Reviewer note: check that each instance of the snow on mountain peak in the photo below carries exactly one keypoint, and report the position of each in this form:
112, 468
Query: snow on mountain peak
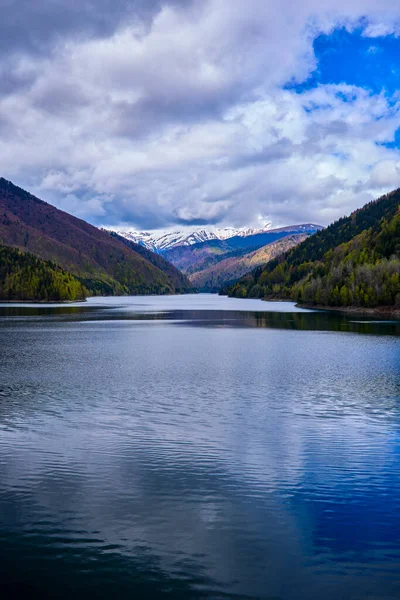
162, 241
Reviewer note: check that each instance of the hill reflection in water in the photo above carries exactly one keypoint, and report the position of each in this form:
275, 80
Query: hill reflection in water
298, 320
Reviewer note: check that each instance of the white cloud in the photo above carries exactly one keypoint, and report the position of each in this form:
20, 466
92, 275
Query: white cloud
186, 119
385, 174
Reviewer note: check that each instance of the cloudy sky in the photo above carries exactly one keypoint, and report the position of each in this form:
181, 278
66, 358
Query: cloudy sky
159, 114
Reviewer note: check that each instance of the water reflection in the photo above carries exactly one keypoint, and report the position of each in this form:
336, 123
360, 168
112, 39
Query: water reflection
162, 449
213, 315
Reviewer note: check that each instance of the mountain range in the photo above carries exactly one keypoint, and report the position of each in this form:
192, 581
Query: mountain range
68, 258
355, 262
160, 242
212, 258
164, 241
102, 263
47, 254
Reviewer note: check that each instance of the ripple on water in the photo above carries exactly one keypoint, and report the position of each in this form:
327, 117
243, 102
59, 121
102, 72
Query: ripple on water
210, 456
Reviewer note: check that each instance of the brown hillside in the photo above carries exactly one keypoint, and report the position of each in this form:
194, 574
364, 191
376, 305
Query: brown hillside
102, 262
232, 268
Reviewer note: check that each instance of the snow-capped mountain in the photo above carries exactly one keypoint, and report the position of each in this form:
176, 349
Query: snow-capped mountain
162, 241
159, 242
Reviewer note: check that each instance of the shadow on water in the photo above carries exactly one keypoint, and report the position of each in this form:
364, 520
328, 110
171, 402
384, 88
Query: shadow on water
44, 575
310, 321
37, 310
301, 321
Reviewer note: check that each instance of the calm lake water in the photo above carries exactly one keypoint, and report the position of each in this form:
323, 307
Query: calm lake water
198, 447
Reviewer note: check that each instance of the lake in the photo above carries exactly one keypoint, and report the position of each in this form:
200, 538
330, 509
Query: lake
198, 447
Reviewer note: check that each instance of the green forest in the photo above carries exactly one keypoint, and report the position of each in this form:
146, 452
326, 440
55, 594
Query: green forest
353, 262
24, 277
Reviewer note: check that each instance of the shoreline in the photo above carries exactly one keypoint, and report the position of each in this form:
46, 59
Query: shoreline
356, 310
42, 301
81, 301
393, 311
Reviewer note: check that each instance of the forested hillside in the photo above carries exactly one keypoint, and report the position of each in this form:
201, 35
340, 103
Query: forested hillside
101, 262
23, 276
180, 282
353, 262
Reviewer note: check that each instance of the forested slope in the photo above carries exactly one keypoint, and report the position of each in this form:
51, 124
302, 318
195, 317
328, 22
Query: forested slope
353, 262
180, 282
104, 264
24, 276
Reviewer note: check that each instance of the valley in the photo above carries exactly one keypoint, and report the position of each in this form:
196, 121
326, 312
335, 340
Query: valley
225, 255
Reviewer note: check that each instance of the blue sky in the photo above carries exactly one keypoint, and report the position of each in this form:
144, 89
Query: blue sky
188, 113
351, 58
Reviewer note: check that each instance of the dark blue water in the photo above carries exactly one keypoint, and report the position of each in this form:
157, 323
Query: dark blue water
198, 447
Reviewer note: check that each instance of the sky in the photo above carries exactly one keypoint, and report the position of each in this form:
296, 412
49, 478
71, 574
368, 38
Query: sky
174, 114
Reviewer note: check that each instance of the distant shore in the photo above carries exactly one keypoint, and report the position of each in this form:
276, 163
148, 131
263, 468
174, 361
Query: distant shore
41, 301
382, 311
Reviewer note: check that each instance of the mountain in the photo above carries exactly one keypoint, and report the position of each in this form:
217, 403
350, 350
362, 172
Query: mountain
191, 258
24, 276
355, 262
162, 242
101, 262
228, 270
180, 281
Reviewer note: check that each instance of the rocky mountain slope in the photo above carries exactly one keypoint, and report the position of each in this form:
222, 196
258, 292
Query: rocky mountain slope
228, 270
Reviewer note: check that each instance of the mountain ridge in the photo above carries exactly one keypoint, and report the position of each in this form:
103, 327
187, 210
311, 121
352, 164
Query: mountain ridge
165, 241
181, 282
102, 263
229, 269
189, 259
354, 262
